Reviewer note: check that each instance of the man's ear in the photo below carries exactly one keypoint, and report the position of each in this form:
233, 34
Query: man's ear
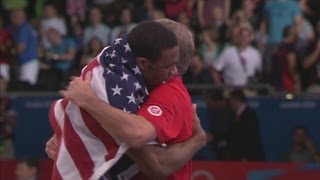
142, 63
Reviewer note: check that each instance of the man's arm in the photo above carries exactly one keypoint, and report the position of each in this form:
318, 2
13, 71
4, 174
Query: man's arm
159, 162
131, 129
156, 161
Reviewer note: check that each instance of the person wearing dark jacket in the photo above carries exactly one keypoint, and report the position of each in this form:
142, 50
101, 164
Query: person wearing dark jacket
244, 135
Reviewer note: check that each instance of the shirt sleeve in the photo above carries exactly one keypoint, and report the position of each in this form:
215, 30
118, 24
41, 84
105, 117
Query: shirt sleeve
160, 109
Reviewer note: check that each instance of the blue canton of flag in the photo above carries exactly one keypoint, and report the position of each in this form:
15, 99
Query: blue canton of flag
125, 86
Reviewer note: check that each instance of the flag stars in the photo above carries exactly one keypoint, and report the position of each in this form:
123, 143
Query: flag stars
131, 99
123, 60
116, 90
136, 70
112, 65
113, 54
124, 76
127, 47
137, 85
117, 41
109, 71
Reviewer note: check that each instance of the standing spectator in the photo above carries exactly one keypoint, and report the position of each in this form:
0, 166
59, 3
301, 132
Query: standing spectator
220, 117
311, 65
244, 135
278, 14
284, 72
5, 50
90, 52
206, 9
26, 41
7, 123
27, 169
241, 62
96, 27
125, 26
51, 19
61, 56
303, 147
173, 8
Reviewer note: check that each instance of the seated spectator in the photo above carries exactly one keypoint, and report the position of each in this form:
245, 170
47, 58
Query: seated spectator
316, 157
303, 147
7, 123
90, 52
96, 28
27, 169
284, 74
51, 19
124, 26
198, 72
60, 56
5, 50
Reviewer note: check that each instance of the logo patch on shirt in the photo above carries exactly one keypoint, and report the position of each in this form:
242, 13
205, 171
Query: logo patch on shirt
155, 110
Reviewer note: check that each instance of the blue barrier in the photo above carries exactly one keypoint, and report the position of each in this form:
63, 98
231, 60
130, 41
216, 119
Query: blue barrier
277, 119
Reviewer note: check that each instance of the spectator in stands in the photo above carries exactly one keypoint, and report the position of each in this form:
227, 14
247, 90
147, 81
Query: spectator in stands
51, 19
198, 72
244, 135
311, 65
76, 8
278, 14
303, 147
220, 117
7, 123
209, 46
125, 24
241, 63
27, 169
144, 11
206, 9
284, 71
90, 52
157, 14
60, 56
26, 41
96, 27
173, 8
5, 50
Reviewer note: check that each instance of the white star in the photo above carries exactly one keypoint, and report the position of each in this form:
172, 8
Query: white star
117, 41
140, 99
136, 70
123, 60
112, 65
116, 90
106, 55
131, 99
137, 85
127, 47
125, 110
113, 54
124, 76
109, 70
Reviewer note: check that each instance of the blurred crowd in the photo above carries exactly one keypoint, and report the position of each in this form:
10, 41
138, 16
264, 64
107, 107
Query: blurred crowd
273, 42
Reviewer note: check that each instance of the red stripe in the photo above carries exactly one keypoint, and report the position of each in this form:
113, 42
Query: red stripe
96, 129
77, 149
53, 121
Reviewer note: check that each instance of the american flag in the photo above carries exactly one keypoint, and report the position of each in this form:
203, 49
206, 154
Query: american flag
85, 149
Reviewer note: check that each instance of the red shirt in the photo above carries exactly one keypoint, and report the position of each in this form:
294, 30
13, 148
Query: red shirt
169, 109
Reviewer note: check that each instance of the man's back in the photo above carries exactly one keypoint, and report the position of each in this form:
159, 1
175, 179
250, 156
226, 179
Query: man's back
173, 118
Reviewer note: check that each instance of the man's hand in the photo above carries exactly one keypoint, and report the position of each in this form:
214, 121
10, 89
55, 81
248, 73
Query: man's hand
51, 147
199, 134
79, 90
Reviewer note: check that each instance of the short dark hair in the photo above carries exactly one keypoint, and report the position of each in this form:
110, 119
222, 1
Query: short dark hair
149, 38
238, 94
